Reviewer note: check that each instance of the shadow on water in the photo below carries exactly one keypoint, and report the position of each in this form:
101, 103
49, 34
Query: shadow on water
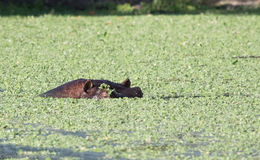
14, 151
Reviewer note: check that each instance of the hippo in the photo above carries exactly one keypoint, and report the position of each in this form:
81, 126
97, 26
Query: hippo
89, 88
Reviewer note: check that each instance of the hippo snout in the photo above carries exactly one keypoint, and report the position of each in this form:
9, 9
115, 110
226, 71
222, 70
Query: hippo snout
138, 92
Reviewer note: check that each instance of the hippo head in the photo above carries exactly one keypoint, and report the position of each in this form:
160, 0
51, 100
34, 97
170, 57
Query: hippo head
94, 89
125, 90
128, 92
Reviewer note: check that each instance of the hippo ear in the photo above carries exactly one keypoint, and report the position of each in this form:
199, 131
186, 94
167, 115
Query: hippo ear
88, 85
126, 83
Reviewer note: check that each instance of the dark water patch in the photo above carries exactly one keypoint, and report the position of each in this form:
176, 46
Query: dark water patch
200, 135
76, 133
164, 145
109, 142
1, 90
3, 139
16, 151
154, 147
258, 115
187, 154
169, 97
192, 153
46, 131
196, 144
49, 131
238, 154
200, 139
254, 153
251, 56
150, 146
121, 131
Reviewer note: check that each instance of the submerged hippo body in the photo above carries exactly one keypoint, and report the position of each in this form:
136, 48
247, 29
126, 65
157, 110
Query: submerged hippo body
87, 88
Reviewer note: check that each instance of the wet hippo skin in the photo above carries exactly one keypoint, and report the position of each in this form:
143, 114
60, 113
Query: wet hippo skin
89, 88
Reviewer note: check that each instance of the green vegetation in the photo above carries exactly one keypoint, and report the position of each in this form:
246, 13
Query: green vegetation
200, 99
107, 88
